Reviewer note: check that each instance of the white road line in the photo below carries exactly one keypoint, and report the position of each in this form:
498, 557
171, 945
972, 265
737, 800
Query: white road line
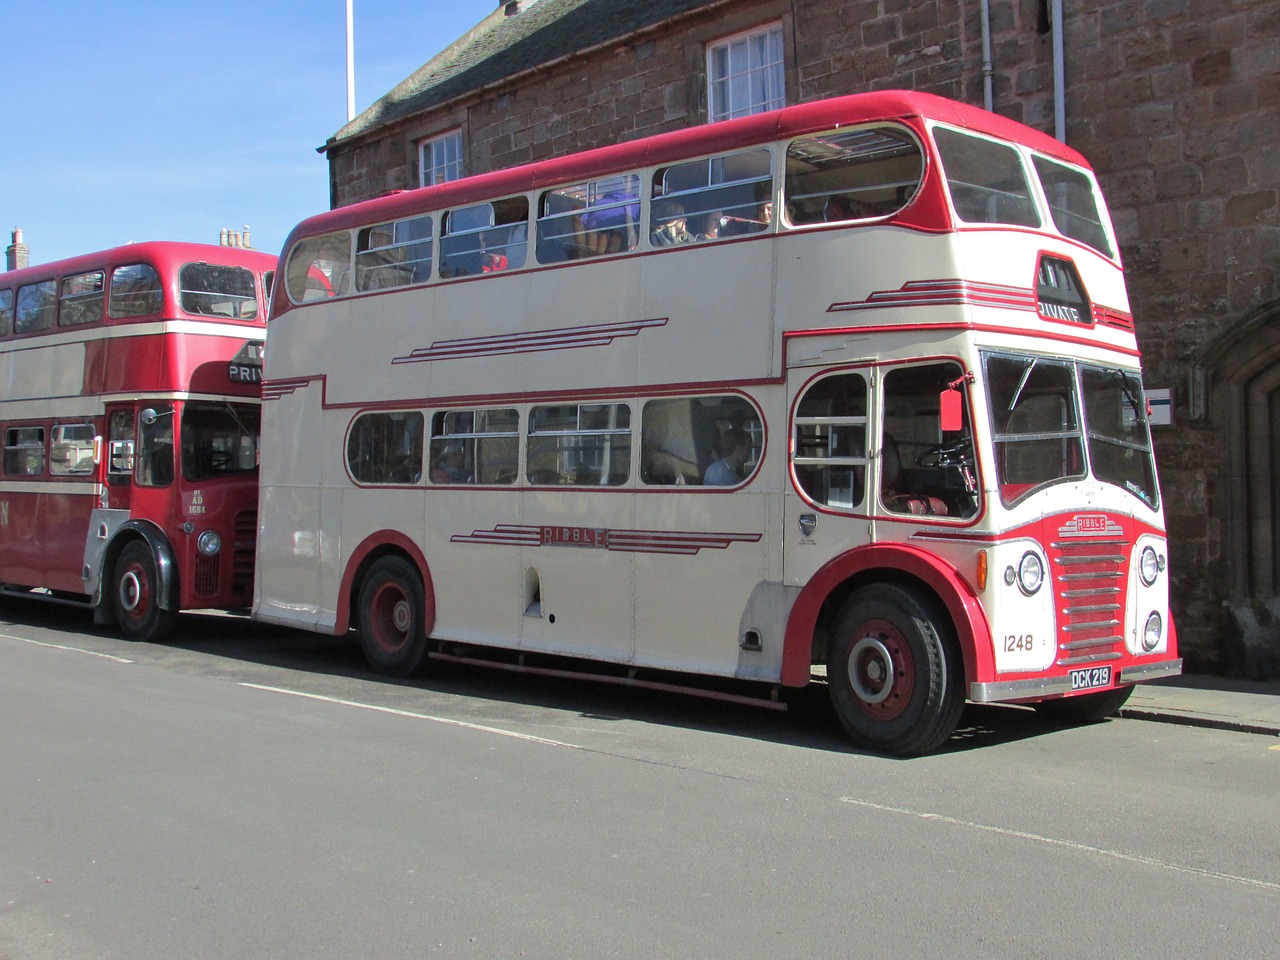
1069, 844
414, 716
59, 646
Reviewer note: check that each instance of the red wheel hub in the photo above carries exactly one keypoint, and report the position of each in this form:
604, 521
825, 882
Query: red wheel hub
881, 670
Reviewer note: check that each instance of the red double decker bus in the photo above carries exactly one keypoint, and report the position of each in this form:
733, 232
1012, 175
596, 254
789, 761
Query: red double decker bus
129, 412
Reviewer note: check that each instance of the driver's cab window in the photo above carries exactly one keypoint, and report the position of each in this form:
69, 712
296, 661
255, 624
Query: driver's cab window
926, 467
153, 460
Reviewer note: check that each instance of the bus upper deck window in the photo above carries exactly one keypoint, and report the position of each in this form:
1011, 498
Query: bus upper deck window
485, 238
6, 312
589, 219
394, 254
135, 292
215, 290
319, 268
987, 180
1073, 204
37, 304
81, 299
718, 197
851, 175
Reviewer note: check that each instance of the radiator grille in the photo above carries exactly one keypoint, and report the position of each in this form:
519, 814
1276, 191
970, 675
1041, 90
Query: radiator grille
244, 541
207, 570
1088, 571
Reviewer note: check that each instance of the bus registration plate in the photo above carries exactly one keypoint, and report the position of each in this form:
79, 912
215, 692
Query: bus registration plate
1090, 677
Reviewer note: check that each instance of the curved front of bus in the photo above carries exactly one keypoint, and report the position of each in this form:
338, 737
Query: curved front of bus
1076, 583
1073, 565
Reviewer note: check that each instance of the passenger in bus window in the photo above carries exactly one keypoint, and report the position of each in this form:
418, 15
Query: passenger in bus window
450, 466
710, 226
608, 229
737, 226
735, 448
674, 228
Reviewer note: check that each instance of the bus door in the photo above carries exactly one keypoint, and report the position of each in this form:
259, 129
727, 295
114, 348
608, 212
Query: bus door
826, 502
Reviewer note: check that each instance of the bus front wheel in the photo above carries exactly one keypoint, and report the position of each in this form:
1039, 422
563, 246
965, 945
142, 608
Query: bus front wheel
137, 596
896, 683
390, 615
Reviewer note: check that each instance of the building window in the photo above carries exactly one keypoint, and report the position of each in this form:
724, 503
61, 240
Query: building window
440, 158
744, 74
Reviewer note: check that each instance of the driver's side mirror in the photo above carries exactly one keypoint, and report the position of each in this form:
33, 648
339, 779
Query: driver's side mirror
950, 410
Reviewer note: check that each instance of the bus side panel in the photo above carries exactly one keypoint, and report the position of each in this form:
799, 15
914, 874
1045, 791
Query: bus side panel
287, 572
691, 602
576, 302
719, 301
63, 519
478, 586
39, 372
820, 274
21, 562
585, 590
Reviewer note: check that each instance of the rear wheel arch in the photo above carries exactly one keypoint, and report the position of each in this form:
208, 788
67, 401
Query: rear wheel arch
384, 543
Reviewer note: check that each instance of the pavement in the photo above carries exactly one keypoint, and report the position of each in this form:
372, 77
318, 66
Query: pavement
1203, 701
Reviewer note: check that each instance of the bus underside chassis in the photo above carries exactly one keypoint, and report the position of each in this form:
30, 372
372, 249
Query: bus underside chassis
895, 675
1084, 708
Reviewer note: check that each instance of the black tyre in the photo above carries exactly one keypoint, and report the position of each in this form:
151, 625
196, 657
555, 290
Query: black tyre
391, 608
1086, 708
136, 596
895, 676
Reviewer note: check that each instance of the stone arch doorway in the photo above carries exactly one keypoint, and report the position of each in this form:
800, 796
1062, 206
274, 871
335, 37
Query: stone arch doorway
1242, 372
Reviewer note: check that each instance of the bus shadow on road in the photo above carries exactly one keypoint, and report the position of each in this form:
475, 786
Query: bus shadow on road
231, 646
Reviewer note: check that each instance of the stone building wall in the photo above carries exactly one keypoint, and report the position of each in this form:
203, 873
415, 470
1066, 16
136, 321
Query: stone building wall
1174, 102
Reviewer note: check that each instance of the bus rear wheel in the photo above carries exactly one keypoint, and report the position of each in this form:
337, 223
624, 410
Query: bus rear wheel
136, 596
896, 682
391, 609
1086, 708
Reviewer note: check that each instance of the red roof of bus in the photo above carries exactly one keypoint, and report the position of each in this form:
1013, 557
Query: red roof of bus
166, 255
681, 144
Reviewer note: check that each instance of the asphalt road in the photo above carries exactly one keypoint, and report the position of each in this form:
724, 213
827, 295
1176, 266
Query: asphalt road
248, 792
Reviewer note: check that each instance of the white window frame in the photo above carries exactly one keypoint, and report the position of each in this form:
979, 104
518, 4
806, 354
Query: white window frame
440, 158
746, 73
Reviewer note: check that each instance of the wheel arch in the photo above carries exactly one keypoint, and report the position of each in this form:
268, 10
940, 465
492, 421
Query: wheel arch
167, 576
383, 543
934, 581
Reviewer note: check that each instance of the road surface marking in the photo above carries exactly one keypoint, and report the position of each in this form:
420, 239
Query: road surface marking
1070, 844
59, 646
414, 716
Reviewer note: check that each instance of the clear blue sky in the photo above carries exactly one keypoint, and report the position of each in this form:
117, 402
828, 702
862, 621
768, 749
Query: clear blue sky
168, 120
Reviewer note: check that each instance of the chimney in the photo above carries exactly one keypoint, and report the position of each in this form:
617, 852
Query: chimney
17, 255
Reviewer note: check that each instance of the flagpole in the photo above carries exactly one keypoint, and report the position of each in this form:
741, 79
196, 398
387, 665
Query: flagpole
351, 64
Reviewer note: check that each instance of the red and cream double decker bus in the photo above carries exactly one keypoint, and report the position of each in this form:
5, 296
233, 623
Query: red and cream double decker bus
851, 385
129, 408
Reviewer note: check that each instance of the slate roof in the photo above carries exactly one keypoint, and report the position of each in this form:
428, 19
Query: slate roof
503, 46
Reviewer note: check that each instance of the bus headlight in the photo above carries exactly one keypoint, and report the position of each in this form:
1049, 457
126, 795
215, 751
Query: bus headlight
1149, 565
1030, 573
1152, 631
208, 543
